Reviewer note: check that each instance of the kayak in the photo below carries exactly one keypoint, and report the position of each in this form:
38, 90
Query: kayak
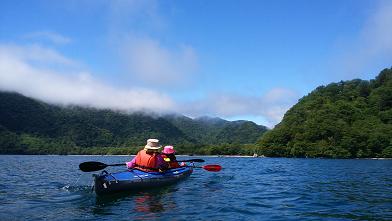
106, 183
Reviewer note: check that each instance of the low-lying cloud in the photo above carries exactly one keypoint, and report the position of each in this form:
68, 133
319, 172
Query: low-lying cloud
271, 106
19, 72
32, 70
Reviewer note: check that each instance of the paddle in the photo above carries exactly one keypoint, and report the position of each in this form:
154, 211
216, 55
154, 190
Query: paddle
211, 168
95, 166
91, 166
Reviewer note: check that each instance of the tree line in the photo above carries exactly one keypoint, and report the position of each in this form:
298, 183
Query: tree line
29, 126
349, 119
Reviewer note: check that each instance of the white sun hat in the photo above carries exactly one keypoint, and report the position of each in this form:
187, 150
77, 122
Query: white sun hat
152, 144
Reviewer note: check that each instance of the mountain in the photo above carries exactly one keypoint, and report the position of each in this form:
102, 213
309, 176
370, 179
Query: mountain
32, 126
208, 130
348, 119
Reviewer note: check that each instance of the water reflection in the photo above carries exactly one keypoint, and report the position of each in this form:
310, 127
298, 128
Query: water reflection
149, 203
145, 204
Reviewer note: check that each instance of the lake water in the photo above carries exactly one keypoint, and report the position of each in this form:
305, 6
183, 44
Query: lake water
53, 188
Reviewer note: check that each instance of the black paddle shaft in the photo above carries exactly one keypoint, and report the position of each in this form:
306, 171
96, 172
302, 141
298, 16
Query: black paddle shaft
91, 166
95, 166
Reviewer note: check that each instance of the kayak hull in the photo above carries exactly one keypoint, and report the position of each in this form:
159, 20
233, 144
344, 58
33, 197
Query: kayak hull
107, 183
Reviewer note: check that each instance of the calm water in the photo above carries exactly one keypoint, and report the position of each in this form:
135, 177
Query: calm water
52, 188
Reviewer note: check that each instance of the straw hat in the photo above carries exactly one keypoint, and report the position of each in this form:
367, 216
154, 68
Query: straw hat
168, 150
152, 144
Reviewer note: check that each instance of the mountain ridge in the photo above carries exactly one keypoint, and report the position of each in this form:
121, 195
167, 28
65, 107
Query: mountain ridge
26, 123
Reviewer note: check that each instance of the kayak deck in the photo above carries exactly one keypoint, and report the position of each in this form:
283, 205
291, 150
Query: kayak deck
105, 182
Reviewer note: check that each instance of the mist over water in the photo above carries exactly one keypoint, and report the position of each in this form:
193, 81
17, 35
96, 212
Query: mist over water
53, 188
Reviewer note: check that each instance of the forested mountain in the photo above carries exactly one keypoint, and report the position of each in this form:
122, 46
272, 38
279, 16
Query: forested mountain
341, 120
31, 126
218, 131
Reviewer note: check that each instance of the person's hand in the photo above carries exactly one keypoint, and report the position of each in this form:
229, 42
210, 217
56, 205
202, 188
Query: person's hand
129, 164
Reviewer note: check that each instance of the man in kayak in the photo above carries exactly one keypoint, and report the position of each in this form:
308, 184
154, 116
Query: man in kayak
168, 155
149, 159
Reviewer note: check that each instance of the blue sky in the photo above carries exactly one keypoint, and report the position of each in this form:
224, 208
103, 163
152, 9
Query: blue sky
248, 60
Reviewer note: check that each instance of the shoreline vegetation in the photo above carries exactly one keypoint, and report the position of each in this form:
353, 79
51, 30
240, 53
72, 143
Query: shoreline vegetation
198, 156
344, 120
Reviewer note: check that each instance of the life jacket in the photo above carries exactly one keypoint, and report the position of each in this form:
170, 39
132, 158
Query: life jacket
147, 162
169, 158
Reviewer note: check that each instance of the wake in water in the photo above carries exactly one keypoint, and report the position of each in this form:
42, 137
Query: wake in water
84, 189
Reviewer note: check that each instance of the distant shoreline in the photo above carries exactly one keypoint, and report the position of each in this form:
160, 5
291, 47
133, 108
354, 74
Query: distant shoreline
195, 156
97, 155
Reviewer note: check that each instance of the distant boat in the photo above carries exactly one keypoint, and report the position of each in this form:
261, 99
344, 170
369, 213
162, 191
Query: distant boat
255, 155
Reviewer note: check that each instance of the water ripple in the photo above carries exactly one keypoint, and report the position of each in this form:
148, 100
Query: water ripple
52, 188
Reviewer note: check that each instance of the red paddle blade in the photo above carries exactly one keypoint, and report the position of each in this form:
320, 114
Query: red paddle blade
212, 168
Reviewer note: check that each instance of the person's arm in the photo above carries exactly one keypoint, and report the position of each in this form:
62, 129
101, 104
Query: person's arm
132, 163
173, 159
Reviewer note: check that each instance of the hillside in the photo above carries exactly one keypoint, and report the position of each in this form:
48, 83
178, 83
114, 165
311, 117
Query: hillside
341, 120
31, 126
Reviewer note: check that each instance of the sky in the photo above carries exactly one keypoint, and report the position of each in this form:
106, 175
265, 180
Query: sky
237, 60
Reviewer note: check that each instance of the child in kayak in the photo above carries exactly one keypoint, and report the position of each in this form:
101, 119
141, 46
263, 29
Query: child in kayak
168, 155
149, 159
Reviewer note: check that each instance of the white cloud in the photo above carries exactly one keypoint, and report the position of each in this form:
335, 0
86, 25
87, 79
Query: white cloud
134, 28
37, 54
270, 106
151, 62
371, 48
18, 72
282, 95
134, 13
377, 32
50, 36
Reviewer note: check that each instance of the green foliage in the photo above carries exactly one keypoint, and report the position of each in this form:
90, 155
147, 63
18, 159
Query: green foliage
341, 120
28, 126
220, 149
215, 131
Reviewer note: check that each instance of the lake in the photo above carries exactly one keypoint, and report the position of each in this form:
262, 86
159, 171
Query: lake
53, 188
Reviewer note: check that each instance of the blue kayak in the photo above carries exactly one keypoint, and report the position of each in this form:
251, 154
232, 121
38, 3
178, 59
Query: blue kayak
106, 183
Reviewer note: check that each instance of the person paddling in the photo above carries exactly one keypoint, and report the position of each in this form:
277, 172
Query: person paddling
149, 159
168, 155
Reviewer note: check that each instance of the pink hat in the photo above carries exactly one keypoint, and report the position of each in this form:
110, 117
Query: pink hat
168, 150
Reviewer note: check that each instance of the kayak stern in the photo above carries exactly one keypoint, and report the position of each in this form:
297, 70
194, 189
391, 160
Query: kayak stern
106, 183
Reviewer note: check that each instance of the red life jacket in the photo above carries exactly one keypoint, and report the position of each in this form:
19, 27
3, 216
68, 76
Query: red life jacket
147, 162
169, 158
